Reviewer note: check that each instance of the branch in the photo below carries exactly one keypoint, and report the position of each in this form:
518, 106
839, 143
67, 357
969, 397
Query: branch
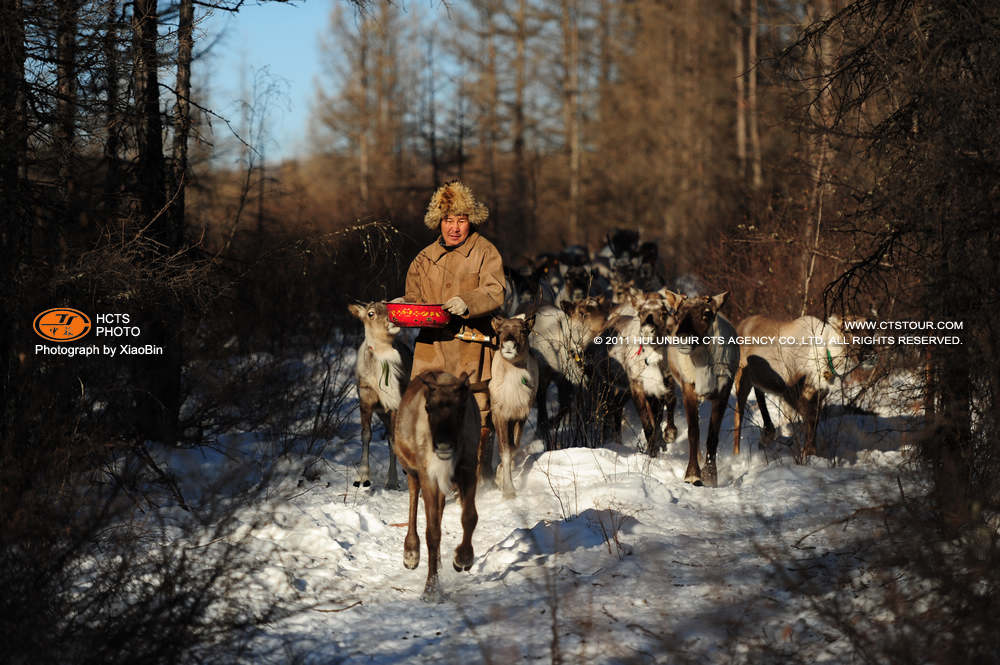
213, 114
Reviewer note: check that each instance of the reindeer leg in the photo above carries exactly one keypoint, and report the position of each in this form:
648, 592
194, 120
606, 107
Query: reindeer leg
709, 473
762, 405
810, 413
411, 546
485, 454
669, 404
646, 406
693, 473
611, 411
505, 436
366, 439
464, 554
565, 390
389, 419
743, 385
433, 509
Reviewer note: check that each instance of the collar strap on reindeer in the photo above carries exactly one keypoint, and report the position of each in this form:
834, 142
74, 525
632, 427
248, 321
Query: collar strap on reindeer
829, 363
480, 386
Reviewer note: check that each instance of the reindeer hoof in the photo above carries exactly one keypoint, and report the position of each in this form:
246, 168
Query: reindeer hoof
411, 558
709, 475
432, 594
463, 559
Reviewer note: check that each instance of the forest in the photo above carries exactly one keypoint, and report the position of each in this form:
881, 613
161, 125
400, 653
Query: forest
816, 157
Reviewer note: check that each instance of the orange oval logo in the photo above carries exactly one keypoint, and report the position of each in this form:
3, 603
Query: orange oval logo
62, 324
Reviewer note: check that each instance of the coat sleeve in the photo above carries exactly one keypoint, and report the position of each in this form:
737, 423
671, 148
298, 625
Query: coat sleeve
414, 277
488, 296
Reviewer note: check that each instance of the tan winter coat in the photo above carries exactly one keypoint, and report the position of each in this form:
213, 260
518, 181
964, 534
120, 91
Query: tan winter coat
474, 272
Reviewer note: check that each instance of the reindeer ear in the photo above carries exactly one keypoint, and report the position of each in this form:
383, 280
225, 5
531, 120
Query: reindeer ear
673, 299
719, 300
567, 307
463, 378
357, 311
496, 322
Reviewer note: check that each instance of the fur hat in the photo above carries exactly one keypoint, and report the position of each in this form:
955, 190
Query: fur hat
454, 198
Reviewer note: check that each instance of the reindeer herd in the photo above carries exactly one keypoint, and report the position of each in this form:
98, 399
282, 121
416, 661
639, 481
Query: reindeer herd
599, 328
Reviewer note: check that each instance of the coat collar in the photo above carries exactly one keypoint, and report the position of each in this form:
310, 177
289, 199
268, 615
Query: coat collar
436, 251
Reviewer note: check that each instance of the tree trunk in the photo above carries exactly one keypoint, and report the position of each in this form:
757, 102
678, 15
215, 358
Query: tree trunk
820, 153
740, 59
157, 378
571, 113
149, 134
112, 112
14, 235
364, 132
757, 174
65, 125
522, 209
182, 121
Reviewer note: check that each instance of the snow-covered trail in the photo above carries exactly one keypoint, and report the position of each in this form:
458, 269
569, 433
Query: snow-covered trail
605, 555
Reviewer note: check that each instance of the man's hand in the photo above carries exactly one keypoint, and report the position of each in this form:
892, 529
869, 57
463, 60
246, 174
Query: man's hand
400, 299
456, 306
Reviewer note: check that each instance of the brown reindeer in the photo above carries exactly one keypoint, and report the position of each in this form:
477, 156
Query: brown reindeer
513, 382
437, 435
704, 369
382, 371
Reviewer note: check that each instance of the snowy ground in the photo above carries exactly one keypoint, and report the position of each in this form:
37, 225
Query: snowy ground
605, 556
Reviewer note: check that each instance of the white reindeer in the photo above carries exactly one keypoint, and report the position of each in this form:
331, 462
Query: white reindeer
802, 374
382, 371
513, 382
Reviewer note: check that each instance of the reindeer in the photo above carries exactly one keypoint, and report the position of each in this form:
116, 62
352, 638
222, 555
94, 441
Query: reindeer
437, 436
801, 374
704, 369
636, 368
382, 370
513, 382
557, 340
576, 285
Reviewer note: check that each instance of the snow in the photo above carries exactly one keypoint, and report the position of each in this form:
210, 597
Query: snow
605, 555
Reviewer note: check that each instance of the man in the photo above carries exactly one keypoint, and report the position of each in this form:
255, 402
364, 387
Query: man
464, 271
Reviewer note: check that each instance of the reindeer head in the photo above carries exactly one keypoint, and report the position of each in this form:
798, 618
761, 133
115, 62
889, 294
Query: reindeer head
512, 334
446, 400
375, 316
656, 311
577, 280
695, 316
589, 313
623, 242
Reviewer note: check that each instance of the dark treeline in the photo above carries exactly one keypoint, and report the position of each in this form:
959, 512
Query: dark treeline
808, 157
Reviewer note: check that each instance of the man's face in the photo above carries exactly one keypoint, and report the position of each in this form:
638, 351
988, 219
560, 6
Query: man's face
455, 229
